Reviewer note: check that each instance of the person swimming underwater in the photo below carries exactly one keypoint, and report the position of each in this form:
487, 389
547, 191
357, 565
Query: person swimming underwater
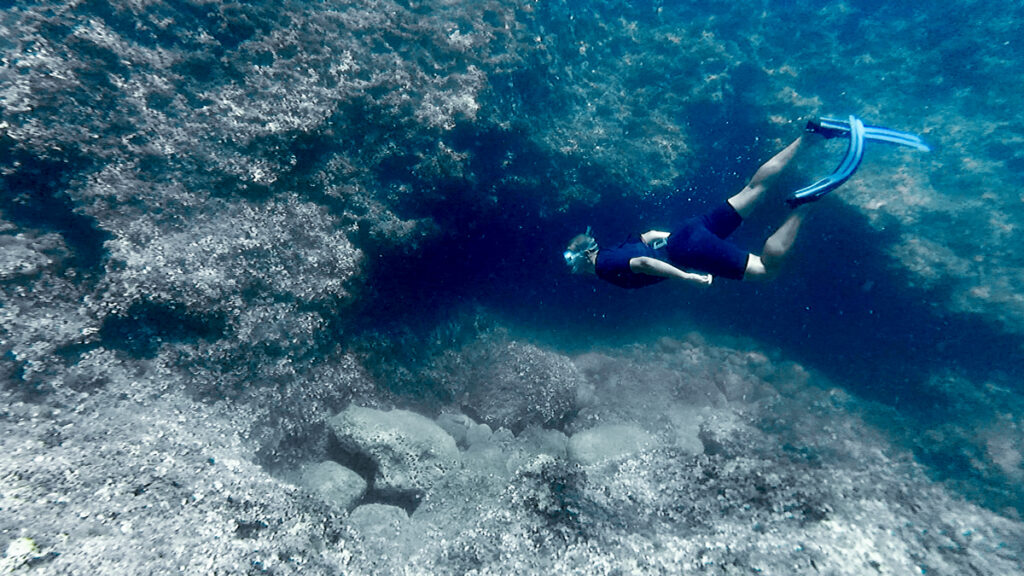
696, 251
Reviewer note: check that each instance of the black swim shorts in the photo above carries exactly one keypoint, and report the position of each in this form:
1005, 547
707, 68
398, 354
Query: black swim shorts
700, 244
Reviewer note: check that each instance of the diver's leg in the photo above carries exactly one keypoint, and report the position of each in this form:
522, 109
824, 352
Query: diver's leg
766, 266
747, 199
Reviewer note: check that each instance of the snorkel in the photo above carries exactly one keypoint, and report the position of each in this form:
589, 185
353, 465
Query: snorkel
576, 255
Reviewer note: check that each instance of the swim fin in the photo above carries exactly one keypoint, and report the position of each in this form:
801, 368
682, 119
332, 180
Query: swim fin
854, 154
834, 128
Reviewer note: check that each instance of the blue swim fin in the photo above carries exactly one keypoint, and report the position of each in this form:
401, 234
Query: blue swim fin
854, 154
834, 128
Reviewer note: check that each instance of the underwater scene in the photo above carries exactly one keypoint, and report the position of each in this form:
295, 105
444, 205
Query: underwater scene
283, 287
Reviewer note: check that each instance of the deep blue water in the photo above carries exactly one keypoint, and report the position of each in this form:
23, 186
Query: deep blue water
839, 305
842, 306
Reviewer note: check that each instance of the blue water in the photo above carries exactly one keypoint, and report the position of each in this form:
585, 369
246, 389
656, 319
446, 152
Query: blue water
842, 307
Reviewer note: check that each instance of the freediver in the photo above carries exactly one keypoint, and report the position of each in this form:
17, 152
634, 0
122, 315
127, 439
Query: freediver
698, 250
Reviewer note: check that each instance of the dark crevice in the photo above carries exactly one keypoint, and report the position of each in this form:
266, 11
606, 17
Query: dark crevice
147, 325
72, 353
363, 465
354, 461
408, 500
34, 197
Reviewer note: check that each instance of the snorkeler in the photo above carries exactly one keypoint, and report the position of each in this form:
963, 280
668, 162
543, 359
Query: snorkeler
697, 251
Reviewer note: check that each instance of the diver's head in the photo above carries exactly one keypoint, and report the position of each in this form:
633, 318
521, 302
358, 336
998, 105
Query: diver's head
581, 253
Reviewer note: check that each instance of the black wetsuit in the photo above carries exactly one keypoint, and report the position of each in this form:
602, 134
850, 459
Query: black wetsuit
699, 244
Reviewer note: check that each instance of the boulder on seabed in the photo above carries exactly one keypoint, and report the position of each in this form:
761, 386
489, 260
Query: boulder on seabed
410, 451
606, 443
517, 384
334, 483
379, 525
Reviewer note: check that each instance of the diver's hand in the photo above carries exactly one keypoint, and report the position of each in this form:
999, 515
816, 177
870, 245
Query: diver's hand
702, 279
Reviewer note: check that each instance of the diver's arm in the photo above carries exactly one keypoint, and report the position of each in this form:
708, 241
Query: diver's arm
652, 235
655, 267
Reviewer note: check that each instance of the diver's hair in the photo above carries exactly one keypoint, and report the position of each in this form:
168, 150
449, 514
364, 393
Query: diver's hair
581, 242
578, 248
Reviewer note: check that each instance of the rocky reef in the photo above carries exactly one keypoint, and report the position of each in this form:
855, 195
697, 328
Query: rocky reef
766, 468
280, 290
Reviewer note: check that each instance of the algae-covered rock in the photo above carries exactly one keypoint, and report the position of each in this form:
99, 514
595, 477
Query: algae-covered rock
516, 384
493, 376
334, 483
458, 425
606, 443
21, 257
380, 520
379, 528
410, 451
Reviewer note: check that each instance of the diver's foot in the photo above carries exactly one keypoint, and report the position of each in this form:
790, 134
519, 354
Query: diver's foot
796, 202
814, 126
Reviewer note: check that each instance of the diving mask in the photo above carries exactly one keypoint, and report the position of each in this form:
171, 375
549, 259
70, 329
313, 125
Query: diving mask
576, 259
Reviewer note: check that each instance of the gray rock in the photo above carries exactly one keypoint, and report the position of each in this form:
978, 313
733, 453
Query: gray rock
20, 257
411, 451
686, 426
606, 443
544, 441
513, 385
534, 442
478, 434
334, 483
458, 425
379, 523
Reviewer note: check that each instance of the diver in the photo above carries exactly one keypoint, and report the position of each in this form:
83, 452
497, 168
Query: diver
698, 250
